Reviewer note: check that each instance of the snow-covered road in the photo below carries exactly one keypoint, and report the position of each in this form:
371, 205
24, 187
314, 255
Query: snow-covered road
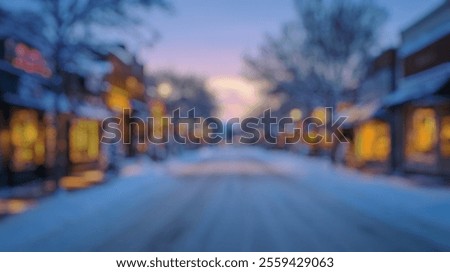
237, 199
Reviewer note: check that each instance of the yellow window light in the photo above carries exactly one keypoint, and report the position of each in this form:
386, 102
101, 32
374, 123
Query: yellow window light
117, 99
372, 142
422, 132
28, 142
445, 136
296, 115
320, 113
84, 141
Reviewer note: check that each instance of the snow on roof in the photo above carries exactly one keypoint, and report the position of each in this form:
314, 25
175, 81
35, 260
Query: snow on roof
88, 66
360, 112
420, 85
97, 112
426, 18
412, 46
425, 31
31, 94
122, 54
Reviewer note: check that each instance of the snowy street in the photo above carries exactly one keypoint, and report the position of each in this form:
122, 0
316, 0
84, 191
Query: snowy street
236, 199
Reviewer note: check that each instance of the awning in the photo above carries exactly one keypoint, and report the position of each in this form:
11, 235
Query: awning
362, 112
45, 101
94, 112
42, 103
418, 90
29, 93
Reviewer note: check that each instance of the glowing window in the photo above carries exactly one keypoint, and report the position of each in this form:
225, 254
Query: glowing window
445, 136
117, 99
373, 142
296, 114
422, 133
320, 113
27, 140
84, 141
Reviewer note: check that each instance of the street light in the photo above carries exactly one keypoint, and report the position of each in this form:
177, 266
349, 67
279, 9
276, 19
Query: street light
164, 90
296, 115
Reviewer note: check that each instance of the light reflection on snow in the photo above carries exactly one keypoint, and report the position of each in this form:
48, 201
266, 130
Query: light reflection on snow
14, 206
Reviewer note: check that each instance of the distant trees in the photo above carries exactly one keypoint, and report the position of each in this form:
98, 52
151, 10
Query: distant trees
184, 92
322, 54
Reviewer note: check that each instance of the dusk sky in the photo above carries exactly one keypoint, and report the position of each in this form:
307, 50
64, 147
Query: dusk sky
209, 38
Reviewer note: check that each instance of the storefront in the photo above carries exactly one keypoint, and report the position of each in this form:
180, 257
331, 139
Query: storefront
88, 158
84, 139
27, 136
117, 100
126, 97
368, 132
27, 118
422, 101
427, 134
372, 144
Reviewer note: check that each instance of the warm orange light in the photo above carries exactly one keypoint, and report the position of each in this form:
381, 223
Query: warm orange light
4, 144
50, 134
131, 82
14, 206
157, 108
422, 132
296, 115
372, 141
445, 136
165, 90
24, 128
73, 183
27, 139
84, 141
117, 99
93, 176
320, 113
39, 147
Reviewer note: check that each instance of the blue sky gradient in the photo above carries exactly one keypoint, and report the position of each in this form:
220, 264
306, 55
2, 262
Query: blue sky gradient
208, 38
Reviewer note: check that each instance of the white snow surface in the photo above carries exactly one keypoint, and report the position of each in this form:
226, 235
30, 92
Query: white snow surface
105, 216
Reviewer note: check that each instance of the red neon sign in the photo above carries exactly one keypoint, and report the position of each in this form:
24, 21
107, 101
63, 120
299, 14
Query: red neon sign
30, 60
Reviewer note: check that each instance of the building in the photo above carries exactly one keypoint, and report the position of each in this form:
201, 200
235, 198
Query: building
87, 157
372, 127
27, 115
421, 103
126, 94
45, 135
368, 127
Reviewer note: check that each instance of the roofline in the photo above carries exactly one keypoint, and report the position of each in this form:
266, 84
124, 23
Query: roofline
446, 3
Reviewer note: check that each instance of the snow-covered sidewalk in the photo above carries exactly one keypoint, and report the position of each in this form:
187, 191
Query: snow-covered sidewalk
90, 208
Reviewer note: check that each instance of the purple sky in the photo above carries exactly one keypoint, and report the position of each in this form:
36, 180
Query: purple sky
208, 38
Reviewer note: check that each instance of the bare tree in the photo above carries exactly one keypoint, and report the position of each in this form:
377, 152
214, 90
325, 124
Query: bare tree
70, 32
186, 92
321, 54
279, 58
340, 36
